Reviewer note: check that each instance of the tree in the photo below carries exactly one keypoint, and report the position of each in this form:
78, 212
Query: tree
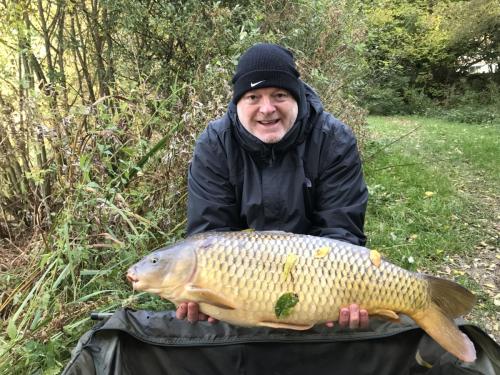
417, 50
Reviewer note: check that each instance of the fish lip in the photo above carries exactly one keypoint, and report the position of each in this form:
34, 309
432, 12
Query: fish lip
132, 278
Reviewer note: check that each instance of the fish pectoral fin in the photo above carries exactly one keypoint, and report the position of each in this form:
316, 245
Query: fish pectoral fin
209, 297
386, 314
297, 327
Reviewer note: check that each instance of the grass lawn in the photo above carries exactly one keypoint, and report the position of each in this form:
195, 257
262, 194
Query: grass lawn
434, 202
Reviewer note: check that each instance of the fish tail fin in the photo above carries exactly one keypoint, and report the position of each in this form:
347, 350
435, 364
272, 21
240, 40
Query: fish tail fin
449, 300
452, 298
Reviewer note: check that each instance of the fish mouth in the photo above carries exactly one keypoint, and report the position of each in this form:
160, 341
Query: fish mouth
133, 279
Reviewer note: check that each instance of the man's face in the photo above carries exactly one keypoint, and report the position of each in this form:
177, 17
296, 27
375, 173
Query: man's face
267, 113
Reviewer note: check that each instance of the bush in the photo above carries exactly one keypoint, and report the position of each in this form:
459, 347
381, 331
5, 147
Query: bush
474, 101
470, 115
95, 175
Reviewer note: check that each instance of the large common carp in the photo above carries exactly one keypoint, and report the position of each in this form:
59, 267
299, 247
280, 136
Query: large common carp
284, 280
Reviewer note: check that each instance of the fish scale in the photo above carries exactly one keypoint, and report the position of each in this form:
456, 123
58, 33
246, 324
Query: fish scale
241, 277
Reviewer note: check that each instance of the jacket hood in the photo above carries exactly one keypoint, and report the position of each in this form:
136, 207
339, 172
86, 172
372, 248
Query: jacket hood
309, 108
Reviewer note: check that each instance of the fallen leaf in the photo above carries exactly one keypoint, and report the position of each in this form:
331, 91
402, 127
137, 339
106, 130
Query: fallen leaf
375, 258
285, 304
490, 286
322, 252
290, 261
429, 194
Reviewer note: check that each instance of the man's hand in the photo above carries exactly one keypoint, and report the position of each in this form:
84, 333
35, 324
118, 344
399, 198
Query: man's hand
191, 310
352, 317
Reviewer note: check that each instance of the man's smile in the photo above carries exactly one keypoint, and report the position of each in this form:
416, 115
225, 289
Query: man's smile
268, 122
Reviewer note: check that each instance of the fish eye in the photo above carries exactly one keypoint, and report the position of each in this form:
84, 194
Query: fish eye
154, 260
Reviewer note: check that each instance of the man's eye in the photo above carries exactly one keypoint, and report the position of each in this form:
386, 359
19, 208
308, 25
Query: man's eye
281, 95
251, 98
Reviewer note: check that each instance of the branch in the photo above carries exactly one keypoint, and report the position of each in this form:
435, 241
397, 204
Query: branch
370, 157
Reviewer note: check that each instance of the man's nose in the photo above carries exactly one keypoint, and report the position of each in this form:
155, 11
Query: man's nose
267, 106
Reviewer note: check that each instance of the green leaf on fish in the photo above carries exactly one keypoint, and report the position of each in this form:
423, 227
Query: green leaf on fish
285, 304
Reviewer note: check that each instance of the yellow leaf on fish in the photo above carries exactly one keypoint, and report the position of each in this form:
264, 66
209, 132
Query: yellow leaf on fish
322, 252
375, 258
290, 261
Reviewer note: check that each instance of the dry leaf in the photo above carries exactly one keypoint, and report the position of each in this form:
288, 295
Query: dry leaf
429, 194
322, 252
290, 261
375, 258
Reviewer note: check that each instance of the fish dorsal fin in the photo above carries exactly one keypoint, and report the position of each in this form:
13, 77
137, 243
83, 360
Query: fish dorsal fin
209, 297
297, 327
387, 314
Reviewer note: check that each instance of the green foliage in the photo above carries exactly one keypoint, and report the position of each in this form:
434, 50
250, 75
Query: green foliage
472, 101
285, 304
99, 110
471, 115
419, 50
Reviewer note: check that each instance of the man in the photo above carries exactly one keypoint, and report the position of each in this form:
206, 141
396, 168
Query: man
277, 161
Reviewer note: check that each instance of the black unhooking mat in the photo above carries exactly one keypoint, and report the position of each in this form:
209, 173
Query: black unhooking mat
148, 343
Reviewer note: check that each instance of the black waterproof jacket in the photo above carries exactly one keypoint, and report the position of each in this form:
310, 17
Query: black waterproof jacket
311, 182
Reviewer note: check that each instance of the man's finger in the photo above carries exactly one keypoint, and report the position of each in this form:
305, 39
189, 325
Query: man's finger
354, 316
193, 311
330, 324
202, 316
212, 320
344, 317
363, 319
181, 311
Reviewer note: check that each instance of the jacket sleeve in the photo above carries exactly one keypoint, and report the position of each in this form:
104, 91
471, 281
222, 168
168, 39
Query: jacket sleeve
212, 203
341, 194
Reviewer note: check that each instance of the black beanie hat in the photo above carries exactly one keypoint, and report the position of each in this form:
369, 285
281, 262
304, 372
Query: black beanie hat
266, 65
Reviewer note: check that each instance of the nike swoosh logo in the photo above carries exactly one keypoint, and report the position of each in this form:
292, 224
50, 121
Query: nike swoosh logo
255, 84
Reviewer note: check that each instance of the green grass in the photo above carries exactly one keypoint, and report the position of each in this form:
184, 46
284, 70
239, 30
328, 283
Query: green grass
431, 186
434, 202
